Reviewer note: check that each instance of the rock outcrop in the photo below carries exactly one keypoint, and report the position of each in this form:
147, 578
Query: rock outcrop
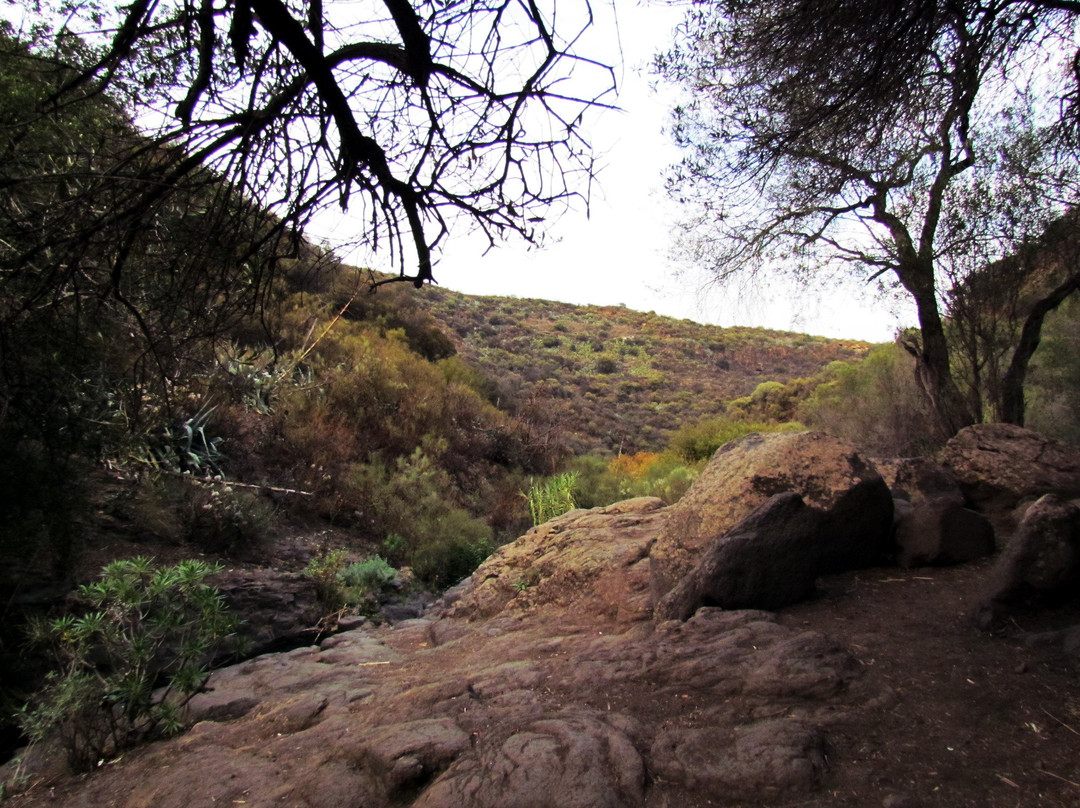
940, 532
1000, 466
549, 678
769, 560
279, 608
830, 475
1042, 562
562, 561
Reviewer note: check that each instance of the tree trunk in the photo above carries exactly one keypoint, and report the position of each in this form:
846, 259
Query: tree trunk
932, 370
1013, 404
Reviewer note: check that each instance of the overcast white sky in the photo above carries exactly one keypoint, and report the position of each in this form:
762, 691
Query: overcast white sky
618, 254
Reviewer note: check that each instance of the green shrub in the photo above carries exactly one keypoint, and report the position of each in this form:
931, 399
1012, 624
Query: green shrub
595, 485
370, 575
667, 478
551, 497
699, 442
876, 404
325, 570
448, 547
142, 625
221, 519
446, 560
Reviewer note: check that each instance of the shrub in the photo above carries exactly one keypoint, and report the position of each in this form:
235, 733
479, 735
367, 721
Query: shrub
595, 485
221, 519
450, 549
876, 404
370, 575
699, 442
142, 625
551, 497
325, 570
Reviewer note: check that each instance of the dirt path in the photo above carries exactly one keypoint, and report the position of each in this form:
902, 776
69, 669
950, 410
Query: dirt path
978, 720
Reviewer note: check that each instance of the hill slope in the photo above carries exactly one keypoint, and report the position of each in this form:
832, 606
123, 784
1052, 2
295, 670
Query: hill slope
616, 379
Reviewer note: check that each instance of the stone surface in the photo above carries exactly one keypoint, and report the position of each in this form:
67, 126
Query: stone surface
767, 561
554, 698
1042, 561
941, 531
999, 466
827, 472
279, 608
576, 760
601, 553
759, 761
918, 479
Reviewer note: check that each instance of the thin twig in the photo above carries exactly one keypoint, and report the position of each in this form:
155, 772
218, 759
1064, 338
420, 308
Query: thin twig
1059, 777
1070, 729
233, 484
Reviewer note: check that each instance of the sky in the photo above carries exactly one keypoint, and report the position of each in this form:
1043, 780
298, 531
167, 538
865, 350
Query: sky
618, 254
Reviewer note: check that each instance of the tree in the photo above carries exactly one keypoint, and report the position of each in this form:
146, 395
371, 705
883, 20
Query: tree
838, 134
159, 160
255, 116
415, 111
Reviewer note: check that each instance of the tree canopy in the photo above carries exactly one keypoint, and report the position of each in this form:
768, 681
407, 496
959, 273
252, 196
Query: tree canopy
408, 113
908, 141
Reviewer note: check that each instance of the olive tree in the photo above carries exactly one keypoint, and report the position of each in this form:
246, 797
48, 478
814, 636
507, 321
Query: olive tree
839, 136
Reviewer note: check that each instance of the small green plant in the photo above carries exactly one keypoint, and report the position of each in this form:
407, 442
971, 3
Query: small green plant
131, 661
394, 547
551, 497
186, 447
325, 570
368, 576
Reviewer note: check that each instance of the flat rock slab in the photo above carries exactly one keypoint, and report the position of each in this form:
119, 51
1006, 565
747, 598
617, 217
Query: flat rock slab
559, 708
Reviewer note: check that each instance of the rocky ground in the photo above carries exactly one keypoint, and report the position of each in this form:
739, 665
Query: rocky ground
546, 681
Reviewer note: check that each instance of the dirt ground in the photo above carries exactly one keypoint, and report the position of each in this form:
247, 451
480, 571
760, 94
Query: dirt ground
980, 719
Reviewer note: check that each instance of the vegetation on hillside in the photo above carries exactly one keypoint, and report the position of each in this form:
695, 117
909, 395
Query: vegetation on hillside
618, 381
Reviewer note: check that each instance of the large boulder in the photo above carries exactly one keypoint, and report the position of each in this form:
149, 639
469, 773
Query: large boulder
920, 479
940, 532
1042, 561
767, 561
597, 560
827, 472
277, 610
1000, 466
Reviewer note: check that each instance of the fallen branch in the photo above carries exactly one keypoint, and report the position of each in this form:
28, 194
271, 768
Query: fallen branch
276, 489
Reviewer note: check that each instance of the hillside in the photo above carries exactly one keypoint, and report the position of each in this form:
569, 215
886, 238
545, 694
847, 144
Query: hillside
614, 379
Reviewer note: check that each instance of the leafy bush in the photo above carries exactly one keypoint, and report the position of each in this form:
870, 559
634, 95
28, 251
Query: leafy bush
699, 442
595, 485
370, 575
410, 503
449, 549
142, 625
221, 519
876, 404
551, 497
1053, 391
602, 481
325, 570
